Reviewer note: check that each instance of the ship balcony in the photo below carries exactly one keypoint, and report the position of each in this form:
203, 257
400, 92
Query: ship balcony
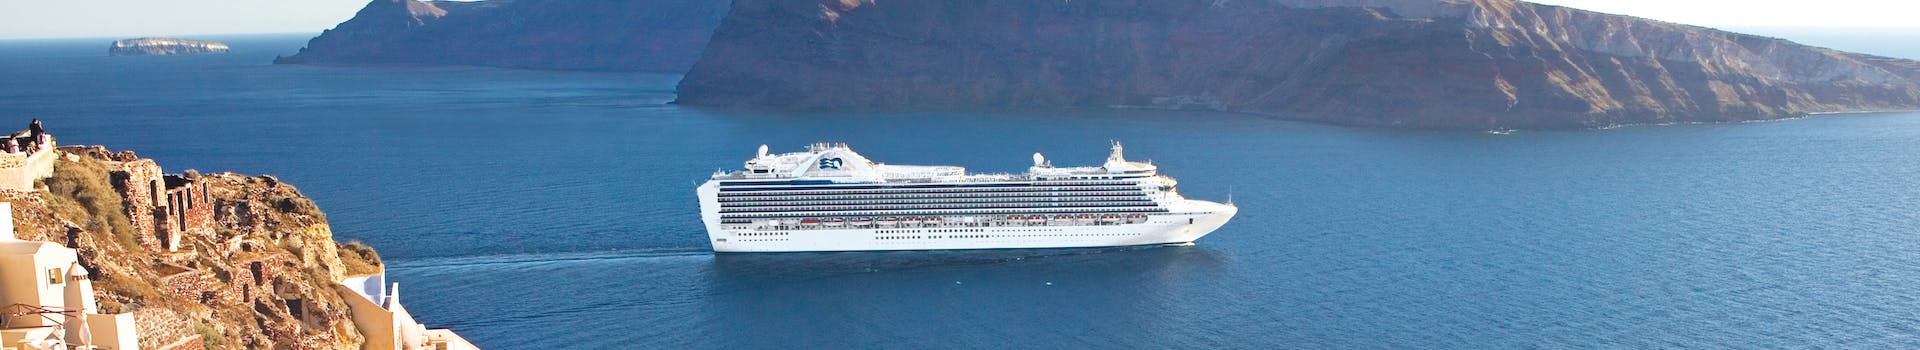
749, 199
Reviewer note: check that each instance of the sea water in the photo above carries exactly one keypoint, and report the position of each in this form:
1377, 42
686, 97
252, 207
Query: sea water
530, 209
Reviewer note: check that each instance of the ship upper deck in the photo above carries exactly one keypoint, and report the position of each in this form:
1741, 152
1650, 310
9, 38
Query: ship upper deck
837, 163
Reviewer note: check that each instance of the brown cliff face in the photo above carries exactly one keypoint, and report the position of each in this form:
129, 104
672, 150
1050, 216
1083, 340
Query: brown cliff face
1475, 64
251, 265
637, 35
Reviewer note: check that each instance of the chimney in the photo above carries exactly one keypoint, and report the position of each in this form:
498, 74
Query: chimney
6, 226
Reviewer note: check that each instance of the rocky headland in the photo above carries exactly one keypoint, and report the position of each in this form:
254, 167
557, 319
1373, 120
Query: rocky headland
1451, 64
163, 46
202, 260
622, 35
1463, 64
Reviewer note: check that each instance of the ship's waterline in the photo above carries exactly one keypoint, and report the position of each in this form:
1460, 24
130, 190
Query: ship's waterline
830, 198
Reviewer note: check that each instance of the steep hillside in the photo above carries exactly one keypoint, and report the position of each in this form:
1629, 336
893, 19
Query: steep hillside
637, 35
1473, 64
252, 265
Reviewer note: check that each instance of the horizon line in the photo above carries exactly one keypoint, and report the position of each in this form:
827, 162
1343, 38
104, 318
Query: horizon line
122, 37
1727, 27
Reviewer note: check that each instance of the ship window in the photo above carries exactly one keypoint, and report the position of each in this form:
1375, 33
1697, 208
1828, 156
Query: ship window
54, 276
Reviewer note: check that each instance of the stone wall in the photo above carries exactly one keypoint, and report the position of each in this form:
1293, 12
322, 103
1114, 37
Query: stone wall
158, 327
187, 211
139, 184
188, 343
18, 171
164, 208
191, 285
26, 157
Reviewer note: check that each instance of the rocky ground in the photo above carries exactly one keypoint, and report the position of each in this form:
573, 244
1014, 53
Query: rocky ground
261, 280
1464, 64
1450, 64
624, 35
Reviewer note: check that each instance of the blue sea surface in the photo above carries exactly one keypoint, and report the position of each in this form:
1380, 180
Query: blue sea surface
530, 209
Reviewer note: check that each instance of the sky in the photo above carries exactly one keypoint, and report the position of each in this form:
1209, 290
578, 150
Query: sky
21, 19
120, 19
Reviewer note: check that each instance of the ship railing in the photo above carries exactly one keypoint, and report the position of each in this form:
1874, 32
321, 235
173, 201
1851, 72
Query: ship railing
932, 190
948, 212
748, 199
953, 223
938, 206
907, 201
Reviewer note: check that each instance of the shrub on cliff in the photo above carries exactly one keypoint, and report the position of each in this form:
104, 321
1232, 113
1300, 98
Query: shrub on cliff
79, 191
293, 203
359, 258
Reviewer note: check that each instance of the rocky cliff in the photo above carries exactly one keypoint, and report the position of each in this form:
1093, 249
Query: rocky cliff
1478, 64
227, 261
629, 35
163, 46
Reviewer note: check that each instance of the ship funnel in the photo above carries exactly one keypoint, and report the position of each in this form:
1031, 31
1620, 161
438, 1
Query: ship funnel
1039, 160
762, 153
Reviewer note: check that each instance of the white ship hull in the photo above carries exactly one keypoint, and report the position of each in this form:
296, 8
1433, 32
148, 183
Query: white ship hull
1160, 229
832, 199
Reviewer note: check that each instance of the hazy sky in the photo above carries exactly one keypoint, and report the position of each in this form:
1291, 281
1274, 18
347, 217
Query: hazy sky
129, 18
1763, 13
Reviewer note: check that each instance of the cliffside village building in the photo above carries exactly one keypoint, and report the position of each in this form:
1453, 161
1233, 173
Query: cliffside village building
49, 300
386, 324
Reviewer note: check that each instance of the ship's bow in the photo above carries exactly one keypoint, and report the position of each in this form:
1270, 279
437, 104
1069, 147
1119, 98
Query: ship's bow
1215, 215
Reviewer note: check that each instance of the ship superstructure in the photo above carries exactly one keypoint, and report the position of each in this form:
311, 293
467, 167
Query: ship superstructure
830, 198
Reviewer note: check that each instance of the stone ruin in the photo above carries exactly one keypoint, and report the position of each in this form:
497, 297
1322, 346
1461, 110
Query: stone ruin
164, 208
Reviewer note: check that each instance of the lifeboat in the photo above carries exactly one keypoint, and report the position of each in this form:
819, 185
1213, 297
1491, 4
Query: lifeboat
888, 221
836, 222
1063, 218
1110, 218
862, 222
809, 222
934, 220
1086, 217
1036, 219
909, 221
1136, 218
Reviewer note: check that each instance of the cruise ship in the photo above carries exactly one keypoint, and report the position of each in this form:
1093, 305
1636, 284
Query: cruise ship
830, 198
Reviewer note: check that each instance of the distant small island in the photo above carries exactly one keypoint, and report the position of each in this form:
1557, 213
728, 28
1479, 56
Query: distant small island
163, 46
